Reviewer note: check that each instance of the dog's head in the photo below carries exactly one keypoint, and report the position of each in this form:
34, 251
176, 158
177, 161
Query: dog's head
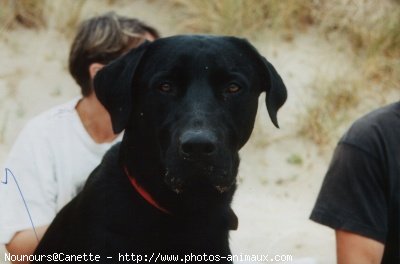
193, 100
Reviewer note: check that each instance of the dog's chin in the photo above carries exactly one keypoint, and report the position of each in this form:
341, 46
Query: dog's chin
198, 180
197, 197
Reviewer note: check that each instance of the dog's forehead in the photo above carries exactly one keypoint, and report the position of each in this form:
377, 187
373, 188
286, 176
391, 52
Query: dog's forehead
203, 51
193, 43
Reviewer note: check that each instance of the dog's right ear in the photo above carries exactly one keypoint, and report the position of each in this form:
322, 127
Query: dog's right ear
113, 86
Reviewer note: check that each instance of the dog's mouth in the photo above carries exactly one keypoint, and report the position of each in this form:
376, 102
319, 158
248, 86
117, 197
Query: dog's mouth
179, 186
185, 175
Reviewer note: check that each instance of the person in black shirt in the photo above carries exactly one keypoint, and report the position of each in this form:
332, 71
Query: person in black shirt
359, 197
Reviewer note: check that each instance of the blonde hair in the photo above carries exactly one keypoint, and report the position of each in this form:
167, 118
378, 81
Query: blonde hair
102, 39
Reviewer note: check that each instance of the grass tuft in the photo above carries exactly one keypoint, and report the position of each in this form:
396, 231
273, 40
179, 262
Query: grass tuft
240, 17
372, 27
332, 106
26, 13
63, 16
65, 22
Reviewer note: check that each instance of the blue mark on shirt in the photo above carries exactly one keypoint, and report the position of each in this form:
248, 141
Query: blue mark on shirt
10, 174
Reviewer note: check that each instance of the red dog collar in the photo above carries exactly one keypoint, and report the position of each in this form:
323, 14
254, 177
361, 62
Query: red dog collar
146, 196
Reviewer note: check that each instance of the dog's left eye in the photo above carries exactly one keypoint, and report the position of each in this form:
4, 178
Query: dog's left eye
165, 87
233, 88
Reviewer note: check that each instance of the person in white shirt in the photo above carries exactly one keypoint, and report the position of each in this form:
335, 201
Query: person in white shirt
57, 150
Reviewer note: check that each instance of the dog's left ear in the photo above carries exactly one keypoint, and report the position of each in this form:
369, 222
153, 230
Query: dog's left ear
276, 91
113, 86
274, 87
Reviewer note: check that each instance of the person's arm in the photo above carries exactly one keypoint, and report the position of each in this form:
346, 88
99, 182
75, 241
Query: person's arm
352, 249
30, 190
25, 242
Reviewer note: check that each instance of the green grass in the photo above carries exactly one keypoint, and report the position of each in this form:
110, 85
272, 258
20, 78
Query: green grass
331, 107
239, 17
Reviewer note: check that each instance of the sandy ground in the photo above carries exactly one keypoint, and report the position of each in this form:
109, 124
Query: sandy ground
275, 196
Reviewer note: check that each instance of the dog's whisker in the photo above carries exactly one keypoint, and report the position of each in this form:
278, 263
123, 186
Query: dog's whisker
222, 189
177, 191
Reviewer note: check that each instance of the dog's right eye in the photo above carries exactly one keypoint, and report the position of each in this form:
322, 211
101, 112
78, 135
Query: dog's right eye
165, 87
233, 88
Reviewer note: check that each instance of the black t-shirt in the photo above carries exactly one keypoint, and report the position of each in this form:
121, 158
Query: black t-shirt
360, 192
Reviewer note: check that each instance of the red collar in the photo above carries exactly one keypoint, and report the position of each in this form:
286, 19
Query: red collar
146, 196
232, 218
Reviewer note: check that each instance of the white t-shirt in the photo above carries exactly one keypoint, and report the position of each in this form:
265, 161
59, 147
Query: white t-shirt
51, 160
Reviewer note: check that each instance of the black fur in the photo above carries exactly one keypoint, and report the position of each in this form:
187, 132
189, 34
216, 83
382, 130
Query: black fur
183, 128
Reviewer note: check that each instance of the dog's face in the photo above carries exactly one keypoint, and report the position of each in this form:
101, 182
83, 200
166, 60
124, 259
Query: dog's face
196, 99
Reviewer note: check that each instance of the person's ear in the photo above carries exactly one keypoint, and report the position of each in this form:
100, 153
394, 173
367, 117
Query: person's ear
94, 68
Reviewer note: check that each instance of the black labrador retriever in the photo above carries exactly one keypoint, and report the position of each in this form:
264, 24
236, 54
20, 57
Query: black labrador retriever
187, 105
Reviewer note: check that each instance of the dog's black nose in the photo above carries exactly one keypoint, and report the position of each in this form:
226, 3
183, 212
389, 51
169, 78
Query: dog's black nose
197, 143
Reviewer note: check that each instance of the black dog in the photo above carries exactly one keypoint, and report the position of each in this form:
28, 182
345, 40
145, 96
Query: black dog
187, 104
